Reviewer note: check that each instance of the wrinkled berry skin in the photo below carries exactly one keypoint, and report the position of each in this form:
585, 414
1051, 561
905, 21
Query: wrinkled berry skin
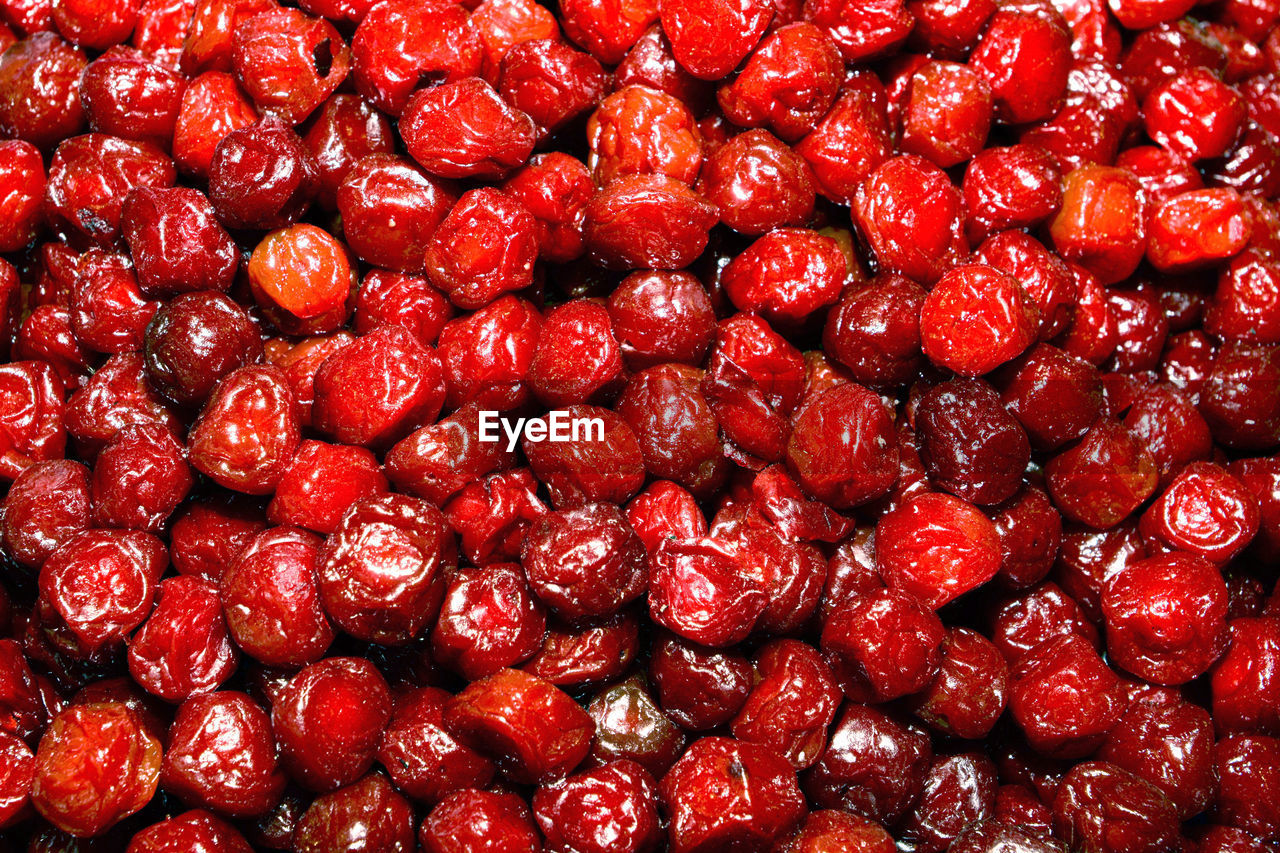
271, 599
585, 562
197, 830
381, 570
1170, 746
910, 214
47, 504
96, 764
222, 756
975, 319
858, 635
723, 792
838, 465
1064, 697
486, 246
261, 177
23, 178
90, 177
792, 706
1104, 478
874, 766
529, 727
322, 482
464, 129
392, 357
368, 813
472, 819
874, 331
382, 189
611, 808
620, 223
970, 444
699, 590
328, 719
176, 243
1101, 224
183, 647
41, 86
1084, 803
247, 431
1136, 604
101, 583
421, 757
936, 547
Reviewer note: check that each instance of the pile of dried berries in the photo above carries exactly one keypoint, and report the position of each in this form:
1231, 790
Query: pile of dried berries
927, 360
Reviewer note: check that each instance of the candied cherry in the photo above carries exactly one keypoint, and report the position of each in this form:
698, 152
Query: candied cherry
176, 241
101, 584
288, 61
262, 177
788, 83
911, 215
976, 318
1101, 805
381, 569
47, 504
401, 387
22, 177
610, 808
792, 703
96, 765
1218, 108
483, 248
533, 731
472, 819
883, 644
398, 44
369, 812
183, 647
301, 271
328, 719
786, 275
221, 755
194, 341
724, 793
1105, 477
270, 597
1205, 510
874, 766
647, 221
970, 691
382, 189
851, 141
1064, 697
419, 754
861, 31
464, 129
842, 448
346, 130
660, 317
40, 86
1170, 746
213, 105
710, 38
247, 432
197, 830
1101, 224
140, 478
1137, 603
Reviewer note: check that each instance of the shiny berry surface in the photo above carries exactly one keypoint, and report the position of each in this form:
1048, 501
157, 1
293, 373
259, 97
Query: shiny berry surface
705, 426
